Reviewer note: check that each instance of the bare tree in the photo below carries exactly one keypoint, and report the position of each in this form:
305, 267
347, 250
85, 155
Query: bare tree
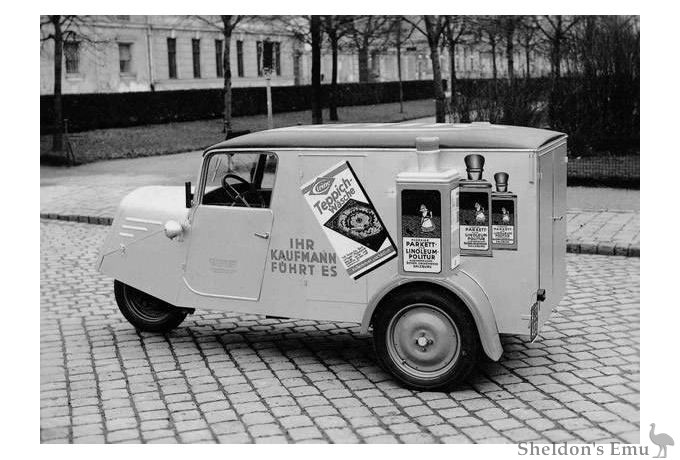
60, 29
527, 37
433, 31
509, 25
400, 32
309, 30
368, 32
555, 30
456, 27
315, 29
336, 27
226, 25
491, 30
605, 51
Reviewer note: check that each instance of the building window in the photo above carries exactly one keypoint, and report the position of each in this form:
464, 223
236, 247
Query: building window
277, 58
219, 58
196, 53
72, 57
268, 57
172, 58
125, 57
239, 57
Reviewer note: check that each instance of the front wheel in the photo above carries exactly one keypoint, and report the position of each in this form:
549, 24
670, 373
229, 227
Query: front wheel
426, 339
146, 312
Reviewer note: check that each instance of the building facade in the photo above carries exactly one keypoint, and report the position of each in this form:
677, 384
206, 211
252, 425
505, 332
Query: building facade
154, 53
112, 54
472, 61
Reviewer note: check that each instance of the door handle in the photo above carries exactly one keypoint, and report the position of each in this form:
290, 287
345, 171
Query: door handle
263, 235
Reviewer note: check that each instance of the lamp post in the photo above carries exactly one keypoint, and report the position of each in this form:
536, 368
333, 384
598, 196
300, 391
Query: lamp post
270, 117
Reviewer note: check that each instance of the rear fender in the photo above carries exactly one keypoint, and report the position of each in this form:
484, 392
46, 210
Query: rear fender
467, 290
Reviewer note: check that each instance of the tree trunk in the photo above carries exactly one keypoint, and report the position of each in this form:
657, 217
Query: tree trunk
439, 97
363, 63
527, 58
226, 62
401, 85
452, 66
58, 133
332, 93
508, 110
317, 114
556, 73
494, 66
494, 71
510, 49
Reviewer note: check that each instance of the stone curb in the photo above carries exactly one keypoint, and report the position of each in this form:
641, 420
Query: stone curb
97, 220
605, 248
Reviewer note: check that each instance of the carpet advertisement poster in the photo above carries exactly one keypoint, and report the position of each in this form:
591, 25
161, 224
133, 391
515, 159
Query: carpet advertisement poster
350, 221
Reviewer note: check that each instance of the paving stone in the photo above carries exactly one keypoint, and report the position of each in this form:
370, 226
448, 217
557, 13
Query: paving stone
238, 378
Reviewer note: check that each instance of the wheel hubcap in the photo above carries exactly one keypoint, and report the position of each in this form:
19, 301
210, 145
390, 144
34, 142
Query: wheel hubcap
144, 305
423, 341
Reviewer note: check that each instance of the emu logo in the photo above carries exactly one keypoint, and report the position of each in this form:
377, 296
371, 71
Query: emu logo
322, 185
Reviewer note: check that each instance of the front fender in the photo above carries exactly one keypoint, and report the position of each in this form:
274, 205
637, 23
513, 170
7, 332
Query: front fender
465, 288
136, 250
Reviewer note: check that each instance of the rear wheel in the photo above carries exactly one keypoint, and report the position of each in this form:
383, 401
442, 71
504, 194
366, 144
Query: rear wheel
426, 339
146, 312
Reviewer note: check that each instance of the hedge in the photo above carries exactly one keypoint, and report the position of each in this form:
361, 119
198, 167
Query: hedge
114, 110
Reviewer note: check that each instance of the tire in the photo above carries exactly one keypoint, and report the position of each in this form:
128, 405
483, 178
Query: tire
145, 312
426, 339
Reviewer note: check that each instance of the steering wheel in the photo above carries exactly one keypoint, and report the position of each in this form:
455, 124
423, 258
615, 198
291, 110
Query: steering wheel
236, 195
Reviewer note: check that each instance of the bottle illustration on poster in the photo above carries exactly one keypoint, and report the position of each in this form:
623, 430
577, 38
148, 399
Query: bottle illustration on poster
474, 212
421, 230
503, 214
474, 221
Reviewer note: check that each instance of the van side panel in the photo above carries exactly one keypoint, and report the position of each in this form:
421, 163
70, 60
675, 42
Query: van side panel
510, 277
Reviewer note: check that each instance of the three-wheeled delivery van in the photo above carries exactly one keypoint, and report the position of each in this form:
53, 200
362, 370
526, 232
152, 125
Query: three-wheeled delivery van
439, 237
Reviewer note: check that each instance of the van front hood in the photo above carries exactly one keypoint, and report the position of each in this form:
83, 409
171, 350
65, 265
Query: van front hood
157, 203
141, 218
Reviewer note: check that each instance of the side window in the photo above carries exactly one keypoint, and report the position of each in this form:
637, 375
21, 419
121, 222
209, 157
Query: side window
240, 179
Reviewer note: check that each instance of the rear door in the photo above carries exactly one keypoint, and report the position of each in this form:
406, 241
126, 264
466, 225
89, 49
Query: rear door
559, 221
546, 190
552, 227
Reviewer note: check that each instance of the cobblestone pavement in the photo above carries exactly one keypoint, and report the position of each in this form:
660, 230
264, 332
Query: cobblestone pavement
243, 378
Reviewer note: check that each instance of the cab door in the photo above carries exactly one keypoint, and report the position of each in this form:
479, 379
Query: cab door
231, 226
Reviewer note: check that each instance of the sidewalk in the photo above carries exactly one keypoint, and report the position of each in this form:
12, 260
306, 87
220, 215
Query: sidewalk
91, 193
603, 232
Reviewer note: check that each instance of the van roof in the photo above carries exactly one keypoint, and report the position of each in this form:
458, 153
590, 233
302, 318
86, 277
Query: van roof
476, 135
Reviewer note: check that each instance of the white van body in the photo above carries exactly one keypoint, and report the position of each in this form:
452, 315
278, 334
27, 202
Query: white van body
277, 259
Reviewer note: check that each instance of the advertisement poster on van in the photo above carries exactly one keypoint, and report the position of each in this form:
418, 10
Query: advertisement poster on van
474, 221
421, 231
350, 221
